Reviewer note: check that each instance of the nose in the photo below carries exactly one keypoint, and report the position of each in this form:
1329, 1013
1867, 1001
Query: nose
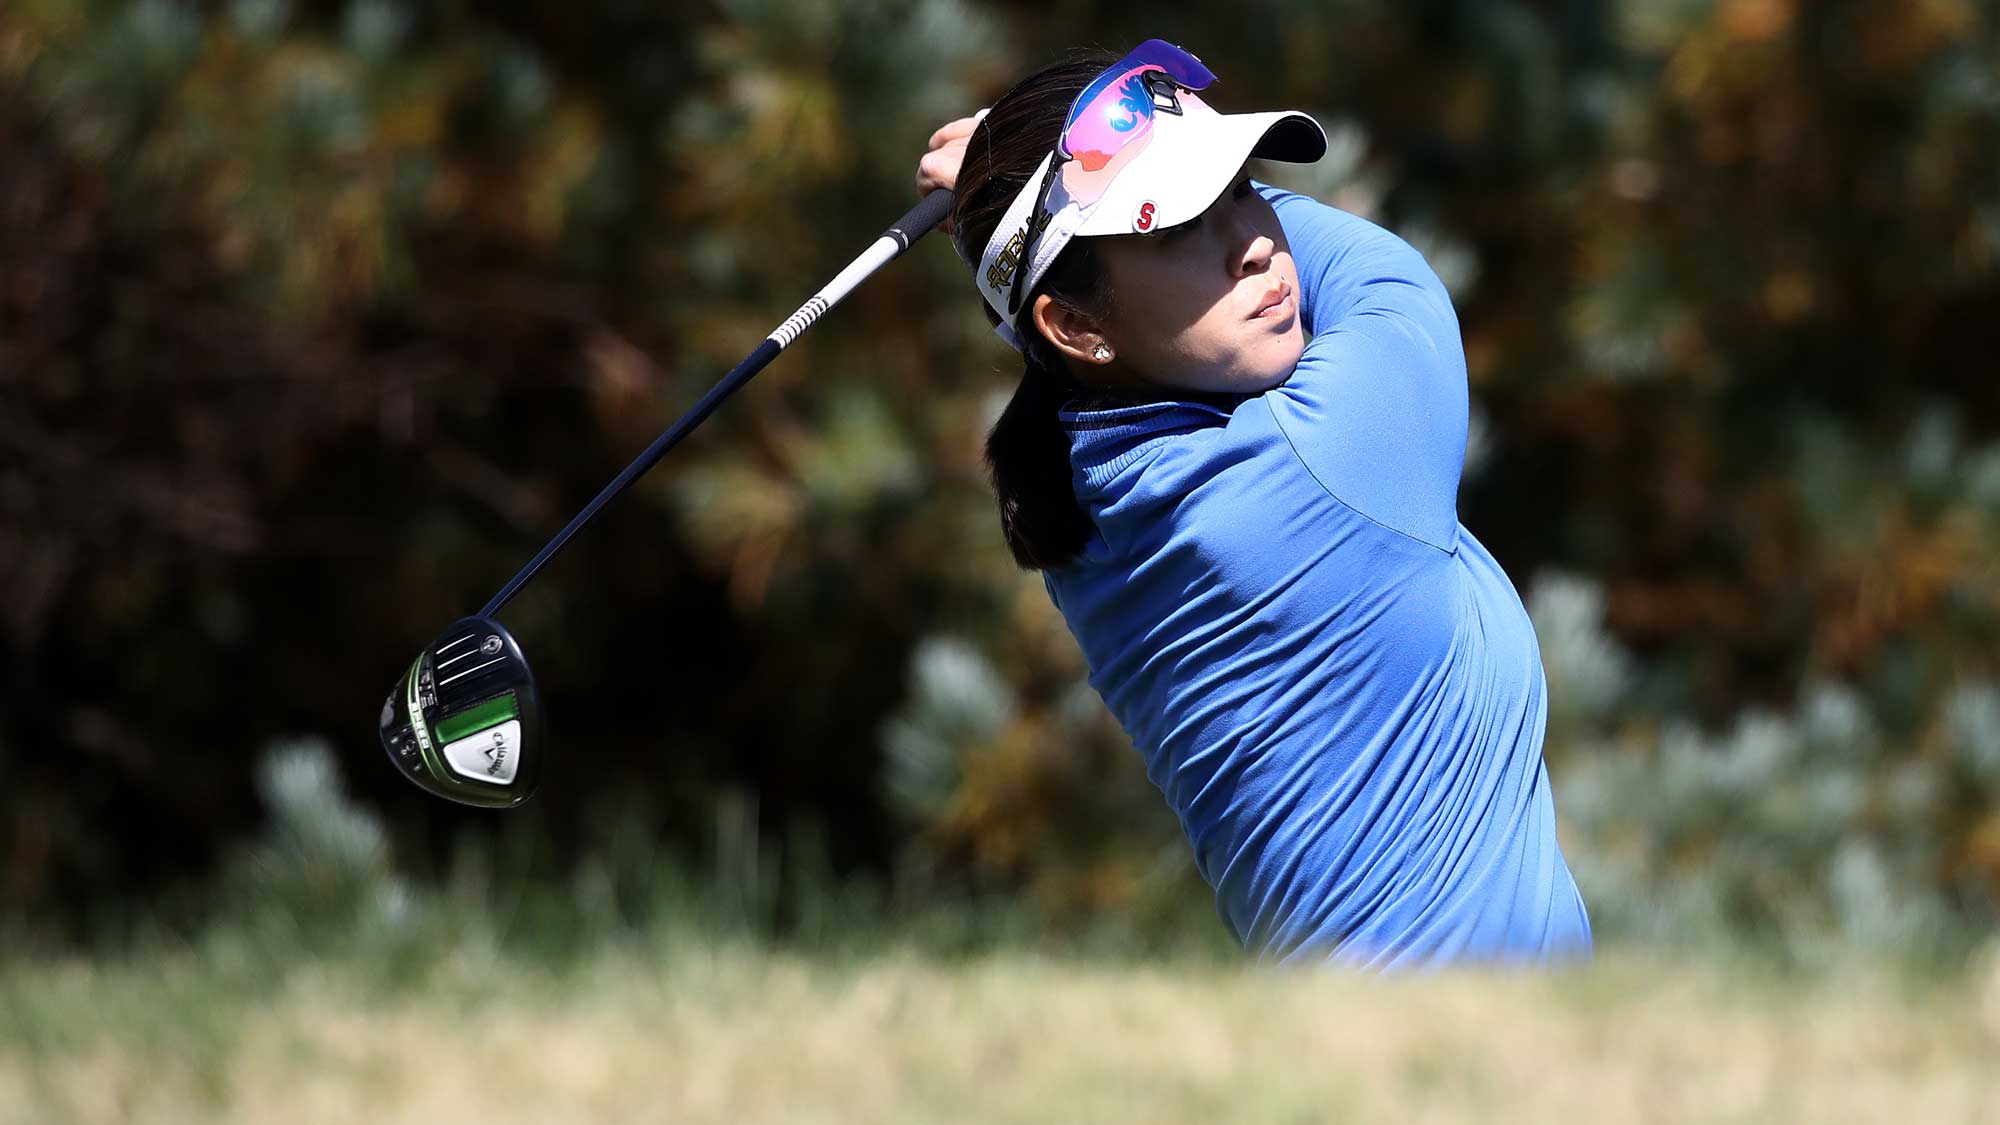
1257, 250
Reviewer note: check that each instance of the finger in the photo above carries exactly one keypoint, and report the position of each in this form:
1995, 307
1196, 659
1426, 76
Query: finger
955, 130
939, 167
951, 131
931, 179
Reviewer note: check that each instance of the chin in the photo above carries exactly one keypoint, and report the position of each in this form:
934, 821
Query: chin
1246, 378
1270, 366
1254, 369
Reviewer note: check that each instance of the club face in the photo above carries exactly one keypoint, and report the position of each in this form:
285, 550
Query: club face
464, 722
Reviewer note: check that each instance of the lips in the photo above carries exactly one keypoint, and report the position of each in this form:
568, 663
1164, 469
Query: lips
1271, 300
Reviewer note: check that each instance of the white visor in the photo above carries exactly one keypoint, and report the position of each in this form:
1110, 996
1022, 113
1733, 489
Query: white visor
1172, 177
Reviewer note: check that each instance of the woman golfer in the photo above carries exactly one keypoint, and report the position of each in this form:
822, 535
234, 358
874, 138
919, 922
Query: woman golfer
1234, 456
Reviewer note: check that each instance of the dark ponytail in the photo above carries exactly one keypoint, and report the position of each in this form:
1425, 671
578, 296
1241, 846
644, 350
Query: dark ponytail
1027, 455
1027, 452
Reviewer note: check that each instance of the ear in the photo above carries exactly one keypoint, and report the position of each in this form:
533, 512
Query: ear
1074, 334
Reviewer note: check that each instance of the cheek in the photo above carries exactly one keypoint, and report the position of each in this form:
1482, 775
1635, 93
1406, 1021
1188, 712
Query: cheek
1181, 334
1251, 352
1172, 325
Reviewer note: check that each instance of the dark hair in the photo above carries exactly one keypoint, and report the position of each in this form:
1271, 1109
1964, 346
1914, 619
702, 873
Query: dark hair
1027, 452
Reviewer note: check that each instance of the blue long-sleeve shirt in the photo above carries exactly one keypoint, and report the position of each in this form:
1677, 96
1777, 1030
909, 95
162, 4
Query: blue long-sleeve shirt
1331, 681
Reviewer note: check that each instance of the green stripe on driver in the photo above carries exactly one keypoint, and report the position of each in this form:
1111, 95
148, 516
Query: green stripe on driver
477, 718
416, 713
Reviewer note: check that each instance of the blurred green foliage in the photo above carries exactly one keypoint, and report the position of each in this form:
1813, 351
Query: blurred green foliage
317, 316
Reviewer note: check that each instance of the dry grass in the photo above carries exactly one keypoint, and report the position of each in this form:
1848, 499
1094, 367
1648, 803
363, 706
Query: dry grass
729, 1035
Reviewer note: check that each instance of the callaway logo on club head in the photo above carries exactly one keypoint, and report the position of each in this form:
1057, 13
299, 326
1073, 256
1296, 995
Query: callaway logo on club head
496, 754
490, 645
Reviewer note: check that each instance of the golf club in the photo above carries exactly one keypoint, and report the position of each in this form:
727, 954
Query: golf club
465, 721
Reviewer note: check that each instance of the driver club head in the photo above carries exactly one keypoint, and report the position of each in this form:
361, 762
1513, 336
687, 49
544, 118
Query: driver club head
465, 722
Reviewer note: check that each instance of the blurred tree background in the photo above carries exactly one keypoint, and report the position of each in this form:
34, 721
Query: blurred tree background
318, 316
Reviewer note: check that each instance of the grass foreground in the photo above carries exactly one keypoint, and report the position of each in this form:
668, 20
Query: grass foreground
723, 1033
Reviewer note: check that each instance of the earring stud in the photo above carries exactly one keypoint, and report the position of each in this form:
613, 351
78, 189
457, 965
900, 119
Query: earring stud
1100, 353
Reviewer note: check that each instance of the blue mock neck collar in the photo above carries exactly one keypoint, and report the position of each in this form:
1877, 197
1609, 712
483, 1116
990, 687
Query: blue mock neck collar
1105, 438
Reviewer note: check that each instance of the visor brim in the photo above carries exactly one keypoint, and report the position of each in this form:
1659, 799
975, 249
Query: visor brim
1190, 161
